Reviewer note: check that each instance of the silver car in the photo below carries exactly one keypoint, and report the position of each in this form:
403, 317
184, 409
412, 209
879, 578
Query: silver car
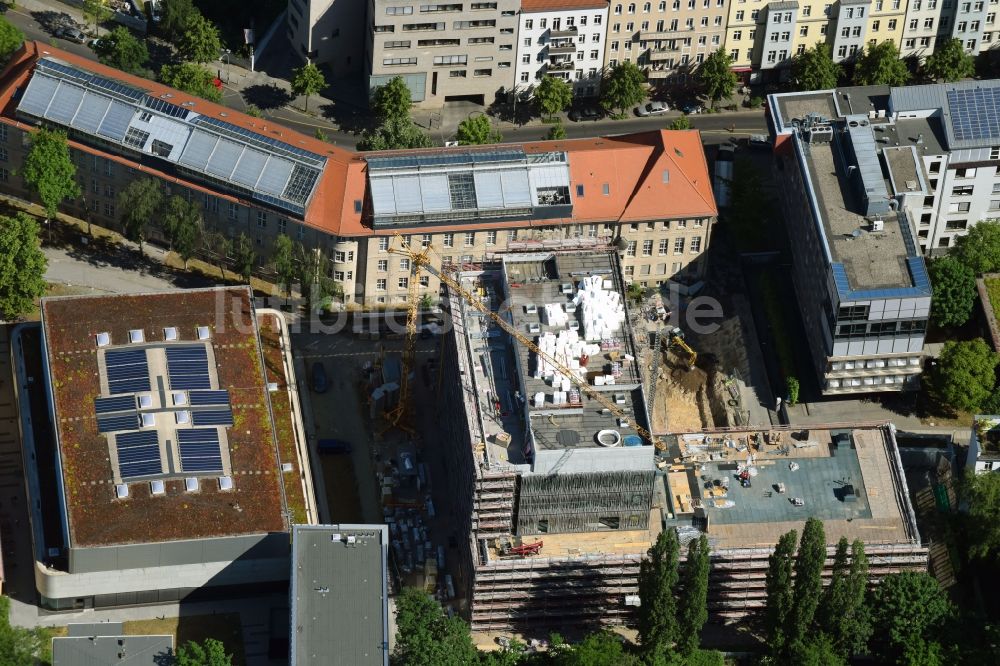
651, 109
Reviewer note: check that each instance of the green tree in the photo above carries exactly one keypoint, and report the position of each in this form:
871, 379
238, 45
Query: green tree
601, 648
18, 646
717, 76
22, 265
808, 585
10, 40
284, 262
244, 257
880, 65
121, 50
815, 649
394, 133
910, 610
954, 286
553, 95
177, 14
210, 652
191, 78
556, 132
307, 80
965, 374
692, 612
49, 171
982, 493
979, 248
779, 605
950, 62
658, 608
425, 635
682, 123
624, 86
392, 101
253, 110
842, 613
182, 224
815, 69
199, 41
96, 12
477, 131
220, 247
138, 204
316, 286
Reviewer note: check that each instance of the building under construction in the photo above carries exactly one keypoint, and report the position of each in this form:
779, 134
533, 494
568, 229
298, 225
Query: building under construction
562, 496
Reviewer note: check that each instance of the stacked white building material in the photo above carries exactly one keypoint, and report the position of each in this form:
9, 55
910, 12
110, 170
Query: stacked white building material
554, 315
600, 308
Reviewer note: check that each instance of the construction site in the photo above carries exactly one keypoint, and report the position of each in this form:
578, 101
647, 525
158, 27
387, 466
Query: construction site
561, 487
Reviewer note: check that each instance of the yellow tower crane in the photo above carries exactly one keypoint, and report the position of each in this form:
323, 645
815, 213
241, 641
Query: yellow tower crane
420, 260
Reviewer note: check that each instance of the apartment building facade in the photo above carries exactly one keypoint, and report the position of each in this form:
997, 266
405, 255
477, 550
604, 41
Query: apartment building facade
919, 24
327, 33
444, 52
666, 38
562, 38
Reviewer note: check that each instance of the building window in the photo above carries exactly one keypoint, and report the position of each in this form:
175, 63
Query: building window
404, 264
630, 249
109, 209
232, 212
448, 240
678, 245
404, 283
383, 265
261, 219
470, 238
662, 249
647, 248
512, 235
491, 238
383, 244
695, 244
380, 284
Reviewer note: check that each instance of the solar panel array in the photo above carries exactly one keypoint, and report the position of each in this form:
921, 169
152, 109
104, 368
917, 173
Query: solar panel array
445, 159
212, 417
975, 113
119, 403
187, 367
63, 71
118, 422
261, 141
138, 454
200, 450
166, 107
127, 369
198, 398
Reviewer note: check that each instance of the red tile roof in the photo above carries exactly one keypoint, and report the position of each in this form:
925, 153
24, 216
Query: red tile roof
632, 166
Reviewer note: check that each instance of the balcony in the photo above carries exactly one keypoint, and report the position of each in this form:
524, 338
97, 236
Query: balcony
659, 55
561, 66
555, 49
658, 73
569, 31
653, 35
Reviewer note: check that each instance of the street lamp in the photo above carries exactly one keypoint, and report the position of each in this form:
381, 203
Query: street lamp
226, 55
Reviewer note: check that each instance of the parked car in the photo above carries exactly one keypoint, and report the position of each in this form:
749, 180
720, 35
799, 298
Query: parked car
760, 141
70, 34
651, 109
319, 381
334, 446
692, 109
586, 113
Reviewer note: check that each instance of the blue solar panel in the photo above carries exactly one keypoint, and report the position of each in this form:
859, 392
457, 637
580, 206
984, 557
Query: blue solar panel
116, 372
140, 468
212, 417
124, 356
187, 352
202, 465
198, 435
129, 386
261, 141
166, 107
189, 382
441, 159
122, 403
187, 367
199, 449
138, 454
128, 421
142, 438
209, 398
975, 113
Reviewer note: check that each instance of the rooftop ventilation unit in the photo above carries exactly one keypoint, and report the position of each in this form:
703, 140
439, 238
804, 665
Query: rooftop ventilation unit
179, 398
286, 467
103, 339
157, 488
191, 484
121, 491
878, 225
145, 401
204, 333
225, 483
351, 540
148, 420
183, 416
136, 335
170, 333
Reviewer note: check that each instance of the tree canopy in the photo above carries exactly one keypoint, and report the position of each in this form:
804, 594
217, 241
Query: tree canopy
191, 78
199, 41
182, 224
244, 257
477, 130
394, 133
692, 611
553, 95
880, 65
221, 246
965, 374
778, 583
808, 585
316, 286
843, 613
556, 132
910, 610
177, 14
949, 62
425, 635
10, 39
954, 286
815, 69
658, 576
49, 171
284, 262
717, 76
982, 493
209, 652
138, 203
979, 248
392, 101
97, 12
681, 123
22, 265
307, 80
120, 49
624, 86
